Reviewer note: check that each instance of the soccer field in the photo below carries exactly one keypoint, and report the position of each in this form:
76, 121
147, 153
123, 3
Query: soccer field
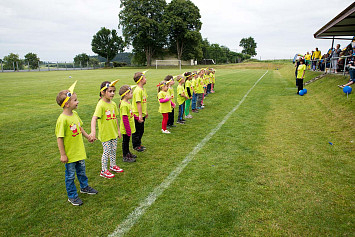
268, 168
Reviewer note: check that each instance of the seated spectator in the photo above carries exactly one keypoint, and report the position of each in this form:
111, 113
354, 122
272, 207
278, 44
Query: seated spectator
351, 67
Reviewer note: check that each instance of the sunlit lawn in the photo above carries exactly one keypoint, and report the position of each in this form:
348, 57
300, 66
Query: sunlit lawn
269, 170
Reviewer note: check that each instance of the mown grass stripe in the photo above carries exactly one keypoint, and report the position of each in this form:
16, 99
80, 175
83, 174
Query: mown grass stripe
134, 216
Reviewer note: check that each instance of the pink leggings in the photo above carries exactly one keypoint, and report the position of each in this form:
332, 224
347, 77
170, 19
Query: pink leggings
165, 120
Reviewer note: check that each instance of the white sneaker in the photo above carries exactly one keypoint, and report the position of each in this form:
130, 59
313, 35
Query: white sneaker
189, 116
165, 131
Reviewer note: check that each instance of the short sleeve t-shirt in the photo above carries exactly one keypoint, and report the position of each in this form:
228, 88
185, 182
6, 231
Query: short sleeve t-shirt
171, 93
193, 84
188, 85
180, 90
69, 127
107, 120
199, 85
166, 106
301, 68
126, 109
317, 54
139, 95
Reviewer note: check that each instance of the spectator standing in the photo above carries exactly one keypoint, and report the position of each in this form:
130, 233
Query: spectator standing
335, 57
317, 55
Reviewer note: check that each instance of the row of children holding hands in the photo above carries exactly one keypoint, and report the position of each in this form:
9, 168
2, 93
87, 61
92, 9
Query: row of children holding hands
69, 130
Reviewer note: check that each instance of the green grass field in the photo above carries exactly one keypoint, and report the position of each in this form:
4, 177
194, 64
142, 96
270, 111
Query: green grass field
268, 171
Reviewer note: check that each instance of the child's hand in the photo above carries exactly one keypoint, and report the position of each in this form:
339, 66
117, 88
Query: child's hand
140, 119
119, 134
91, 139
173, 105
64, 159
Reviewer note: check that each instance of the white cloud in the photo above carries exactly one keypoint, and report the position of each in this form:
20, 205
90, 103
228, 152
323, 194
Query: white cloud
59, 30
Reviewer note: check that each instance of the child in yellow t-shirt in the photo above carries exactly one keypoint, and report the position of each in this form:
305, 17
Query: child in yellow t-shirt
213, 80
165, 105
140, 111
181, 97
188, 93
127, 126
194, 95
300, 75
199, 90
106, 117
169, 79
69, 133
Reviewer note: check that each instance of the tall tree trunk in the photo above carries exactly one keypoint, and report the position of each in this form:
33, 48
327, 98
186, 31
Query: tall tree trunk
148, 55
179, 49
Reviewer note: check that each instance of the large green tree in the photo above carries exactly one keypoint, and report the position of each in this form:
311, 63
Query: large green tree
144, 26
32, 59
183, 18
107, 44
249, 46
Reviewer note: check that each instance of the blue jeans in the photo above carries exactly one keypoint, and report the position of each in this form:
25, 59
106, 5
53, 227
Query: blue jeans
181, 111
193, 103
352, 74
70, 169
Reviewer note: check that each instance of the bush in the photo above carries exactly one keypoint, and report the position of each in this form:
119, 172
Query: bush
119, 64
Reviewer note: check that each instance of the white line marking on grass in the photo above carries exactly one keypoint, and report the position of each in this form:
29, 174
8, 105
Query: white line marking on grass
133, 217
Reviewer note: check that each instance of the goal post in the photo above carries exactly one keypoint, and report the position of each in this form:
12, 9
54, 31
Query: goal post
168, 63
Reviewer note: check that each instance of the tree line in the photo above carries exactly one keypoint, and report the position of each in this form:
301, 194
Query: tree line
153, 29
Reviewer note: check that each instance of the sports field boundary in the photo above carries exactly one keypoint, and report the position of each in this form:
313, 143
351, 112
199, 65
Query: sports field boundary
134, 216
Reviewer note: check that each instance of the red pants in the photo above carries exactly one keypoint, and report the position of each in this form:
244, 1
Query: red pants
165, 120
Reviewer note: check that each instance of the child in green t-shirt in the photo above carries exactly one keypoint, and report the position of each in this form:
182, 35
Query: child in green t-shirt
127, 125
69, 133
106, 117
165, 104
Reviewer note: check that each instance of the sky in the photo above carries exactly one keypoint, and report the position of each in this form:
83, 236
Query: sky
59, 30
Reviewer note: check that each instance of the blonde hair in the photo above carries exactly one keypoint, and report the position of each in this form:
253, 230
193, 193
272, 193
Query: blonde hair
61, 97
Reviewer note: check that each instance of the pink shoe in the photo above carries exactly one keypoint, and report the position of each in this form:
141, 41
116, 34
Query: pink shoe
116, 169
107, 174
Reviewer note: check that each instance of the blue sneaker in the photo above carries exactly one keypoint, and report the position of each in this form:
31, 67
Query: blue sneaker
75, 201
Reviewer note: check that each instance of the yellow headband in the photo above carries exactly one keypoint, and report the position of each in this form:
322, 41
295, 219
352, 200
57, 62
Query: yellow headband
143, 73
170, 81
69, 94
128, 90
108, 85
